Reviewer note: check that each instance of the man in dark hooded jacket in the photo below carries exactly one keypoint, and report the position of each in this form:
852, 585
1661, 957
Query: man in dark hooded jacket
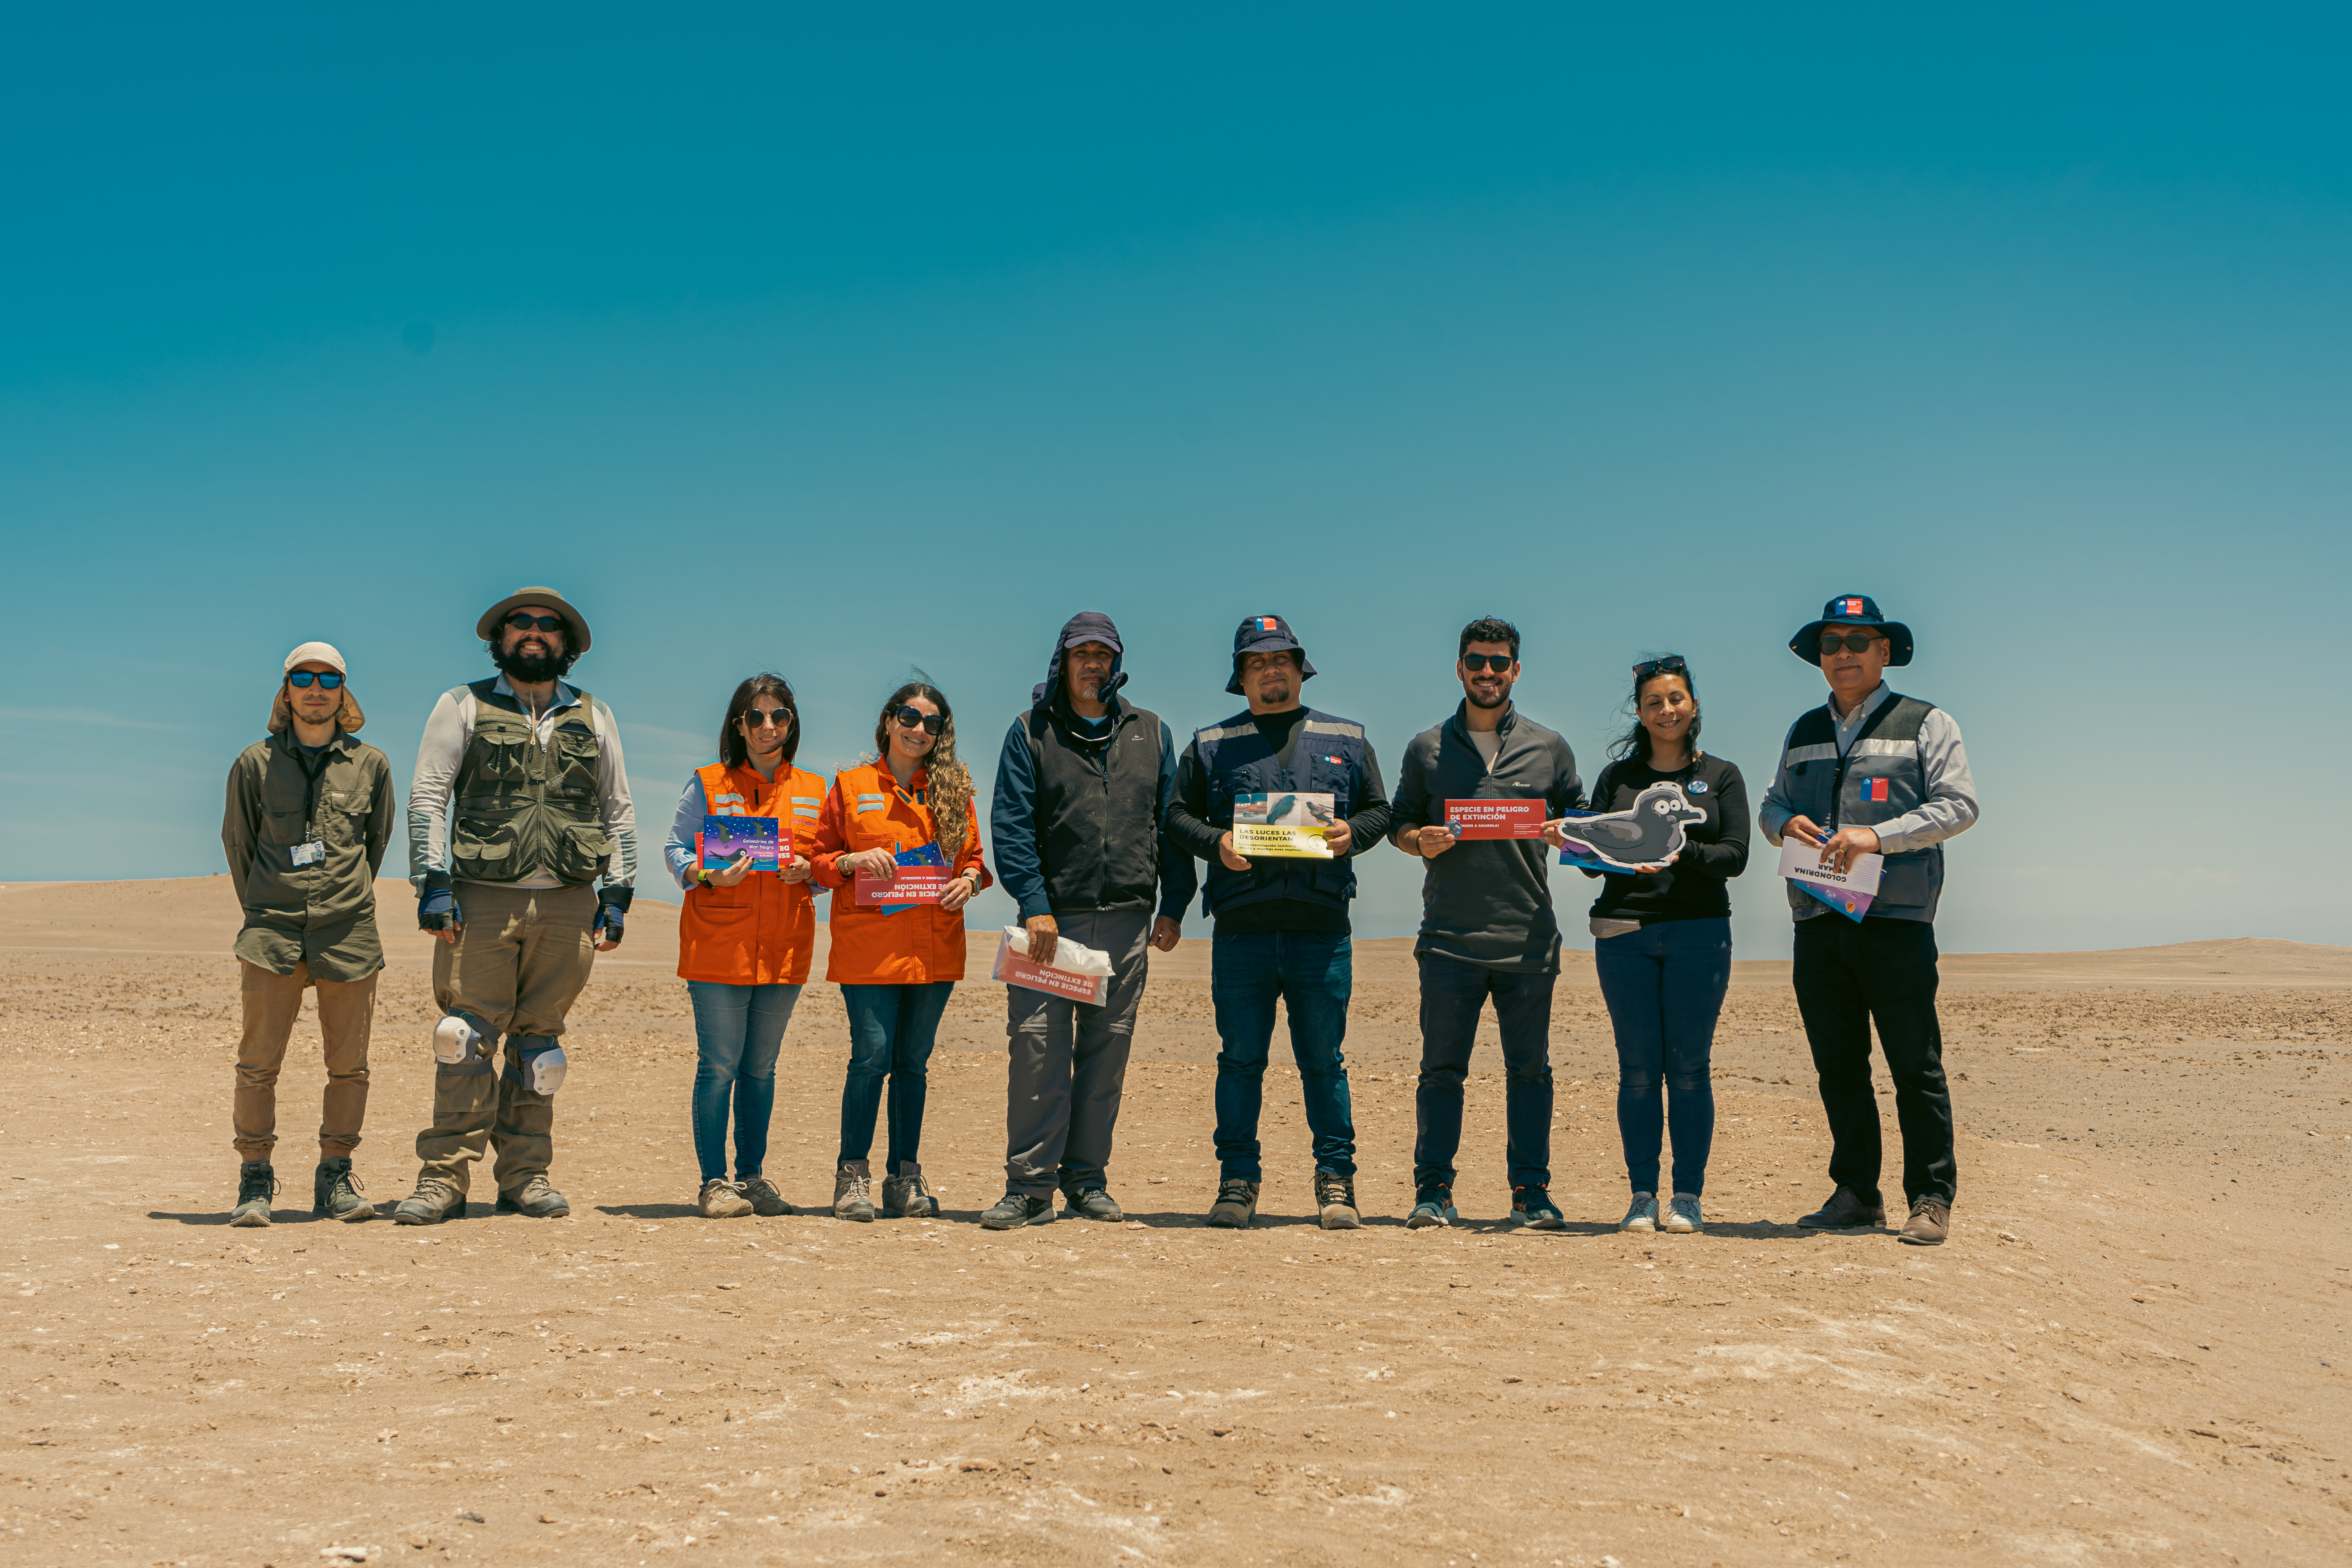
1081, 787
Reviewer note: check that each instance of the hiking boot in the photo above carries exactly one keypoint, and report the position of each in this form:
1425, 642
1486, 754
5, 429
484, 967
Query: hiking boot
535, 1199
1533, 1207
1930, 1222
1681, 1215
1845, 1211
853, 1192
1237, 1205
335, 1192
1092, 1203
764, 1196
1641, 1214
1431, 1206
256, 1184
437, 1198
719, 1200
906, 1197
1335, 1199
1017, 1208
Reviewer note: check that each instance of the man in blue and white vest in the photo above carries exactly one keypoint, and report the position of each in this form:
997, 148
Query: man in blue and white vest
1873, 772
1282, 932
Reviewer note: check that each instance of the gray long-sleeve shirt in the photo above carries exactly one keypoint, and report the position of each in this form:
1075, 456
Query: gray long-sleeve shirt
1950, 808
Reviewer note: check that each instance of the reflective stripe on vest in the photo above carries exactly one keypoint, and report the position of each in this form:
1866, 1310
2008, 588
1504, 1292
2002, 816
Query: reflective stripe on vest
1236, 761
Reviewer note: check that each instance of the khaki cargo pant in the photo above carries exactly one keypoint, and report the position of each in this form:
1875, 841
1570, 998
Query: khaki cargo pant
519, 964
272, 1002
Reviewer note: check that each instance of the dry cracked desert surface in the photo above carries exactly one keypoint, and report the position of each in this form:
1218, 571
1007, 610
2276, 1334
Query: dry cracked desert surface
2133, 1350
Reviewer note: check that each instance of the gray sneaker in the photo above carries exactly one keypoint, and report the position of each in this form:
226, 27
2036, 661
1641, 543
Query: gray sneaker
764, 1196
1092, 1203
1431, 1206
256, 1184
853, 1192
1017, 1209
536, 1199
1681, 1215
1642, 1215
335, 1192
905, 1196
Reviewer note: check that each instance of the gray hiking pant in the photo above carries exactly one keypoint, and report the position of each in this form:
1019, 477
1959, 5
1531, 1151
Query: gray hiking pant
1069, 1061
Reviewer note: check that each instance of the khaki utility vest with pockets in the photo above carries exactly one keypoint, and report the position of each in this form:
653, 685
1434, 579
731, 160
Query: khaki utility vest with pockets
519, 806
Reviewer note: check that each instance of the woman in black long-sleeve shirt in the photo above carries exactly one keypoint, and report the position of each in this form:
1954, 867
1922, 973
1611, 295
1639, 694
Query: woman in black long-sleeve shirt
1662, 944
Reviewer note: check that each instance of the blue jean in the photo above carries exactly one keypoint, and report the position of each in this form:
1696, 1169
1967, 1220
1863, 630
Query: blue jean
1312, 973
738, 1030
1664, 986
1452, 995
891, 1028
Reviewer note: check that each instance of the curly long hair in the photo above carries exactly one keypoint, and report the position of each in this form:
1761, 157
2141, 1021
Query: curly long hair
950, 779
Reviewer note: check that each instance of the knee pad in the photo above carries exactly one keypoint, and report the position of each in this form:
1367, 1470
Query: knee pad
462, 1046
538, 1065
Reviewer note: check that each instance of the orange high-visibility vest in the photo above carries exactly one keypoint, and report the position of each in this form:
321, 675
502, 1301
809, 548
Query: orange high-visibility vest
920, 946
761, 930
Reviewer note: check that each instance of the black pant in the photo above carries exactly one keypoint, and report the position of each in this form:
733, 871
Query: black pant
1847, 977
1452, 995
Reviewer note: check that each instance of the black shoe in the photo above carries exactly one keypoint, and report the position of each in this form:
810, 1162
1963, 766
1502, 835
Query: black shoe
536, 1199
335, 1192
256, 1184
1431, 1206
1533, 1207
1845, 1211
1093, 1202
1018, 1209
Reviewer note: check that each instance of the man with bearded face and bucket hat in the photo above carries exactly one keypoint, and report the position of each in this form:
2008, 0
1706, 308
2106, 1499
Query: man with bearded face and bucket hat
519, 806
1081, 785
1872, 771
309, 819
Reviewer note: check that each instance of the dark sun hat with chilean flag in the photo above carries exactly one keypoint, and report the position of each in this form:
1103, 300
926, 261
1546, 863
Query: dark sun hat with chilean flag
1851, 610
1265, 633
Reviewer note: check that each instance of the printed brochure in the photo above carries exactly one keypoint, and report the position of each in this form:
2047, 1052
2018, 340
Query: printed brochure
922, 877
723, 839
1495, 818
1286, 824
1077, 971
1848, 892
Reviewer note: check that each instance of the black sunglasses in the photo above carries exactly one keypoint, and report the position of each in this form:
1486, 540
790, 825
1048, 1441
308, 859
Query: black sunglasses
1498, 662
1666, 664
328, 679
913, 718
1852, 642
761, 719
523, 623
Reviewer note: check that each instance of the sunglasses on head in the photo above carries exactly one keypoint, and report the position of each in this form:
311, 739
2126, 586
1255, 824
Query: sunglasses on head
523, 623
328, 679
763, 718
1852, 642
1500, 663
1666, 664
913, 718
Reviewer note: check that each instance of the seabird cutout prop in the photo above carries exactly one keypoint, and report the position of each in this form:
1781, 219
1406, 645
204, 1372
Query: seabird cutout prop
1649, 833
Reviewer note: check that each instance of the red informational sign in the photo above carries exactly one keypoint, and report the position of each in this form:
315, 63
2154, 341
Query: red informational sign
1495, 818
1015, 969
913, 885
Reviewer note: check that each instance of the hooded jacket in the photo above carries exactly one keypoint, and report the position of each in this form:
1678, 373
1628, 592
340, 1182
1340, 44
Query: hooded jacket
1075, 822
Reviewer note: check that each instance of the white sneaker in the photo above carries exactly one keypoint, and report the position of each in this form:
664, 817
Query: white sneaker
1642, 1215
1681, 1215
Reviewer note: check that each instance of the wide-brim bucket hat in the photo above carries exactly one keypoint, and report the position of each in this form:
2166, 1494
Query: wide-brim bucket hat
1851, 610
1265, 633
486, 628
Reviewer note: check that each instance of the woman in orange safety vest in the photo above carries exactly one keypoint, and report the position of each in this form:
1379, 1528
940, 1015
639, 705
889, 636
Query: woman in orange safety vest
896, 963
744, 937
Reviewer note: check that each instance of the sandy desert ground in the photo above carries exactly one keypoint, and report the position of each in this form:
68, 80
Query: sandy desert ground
2135, 1348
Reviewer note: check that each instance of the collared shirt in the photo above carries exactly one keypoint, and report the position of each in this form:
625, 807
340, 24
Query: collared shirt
332, 808
447, 734
1950, 809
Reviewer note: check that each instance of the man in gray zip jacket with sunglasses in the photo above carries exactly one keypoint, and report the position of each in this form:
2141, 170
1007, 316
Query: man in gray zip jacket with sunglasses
1872, 771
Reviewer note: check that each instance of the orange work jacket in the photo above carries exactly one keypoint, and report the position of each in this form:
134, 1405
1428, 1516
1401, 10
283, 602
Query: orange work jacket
867, 810
761, 930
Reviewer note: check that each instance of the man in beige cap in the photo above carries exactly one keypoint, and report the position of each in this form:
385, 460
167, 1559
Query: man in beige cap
309, 819
519, 804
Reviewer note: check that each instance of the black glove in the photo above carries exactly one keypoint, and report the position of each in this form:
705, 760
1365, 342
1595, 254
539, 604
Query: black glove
612, 913
436, 906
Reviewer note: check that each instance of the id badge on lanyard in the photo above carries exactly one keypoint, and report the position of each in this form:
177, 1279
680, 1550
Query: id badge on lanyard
311, 854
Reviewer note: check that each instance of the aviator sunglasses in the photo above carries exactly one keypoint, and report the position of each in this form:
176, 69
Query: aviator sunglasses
304, 676
1500, 663
1666, 664
523, 623
1852, 642
913, 718
763, 718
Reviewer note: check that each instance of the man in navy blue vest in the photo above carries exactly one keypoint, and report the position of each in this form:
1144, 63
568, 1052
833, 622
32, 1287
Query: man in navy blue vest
1282, 932
1081, 787
1487, 923
1874, 772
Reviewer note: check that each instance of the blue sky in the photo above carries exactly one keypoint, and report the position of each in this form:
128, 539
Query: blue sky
1647, 332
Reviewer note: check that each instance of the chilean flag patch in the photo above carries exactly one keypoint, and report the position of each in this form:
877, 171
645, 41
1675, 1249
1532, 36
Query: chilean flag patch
1266, 624
1874, 790
1851, 606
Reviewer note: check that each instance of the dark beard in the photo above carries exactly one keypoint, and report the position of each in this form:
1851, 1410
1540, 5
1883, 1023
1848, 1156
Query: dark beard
529, 668
1487, 707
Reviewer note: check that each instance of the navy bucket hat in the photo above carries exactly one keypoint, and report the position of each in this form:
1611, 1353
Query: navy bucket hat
1851, 610
1265, 633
